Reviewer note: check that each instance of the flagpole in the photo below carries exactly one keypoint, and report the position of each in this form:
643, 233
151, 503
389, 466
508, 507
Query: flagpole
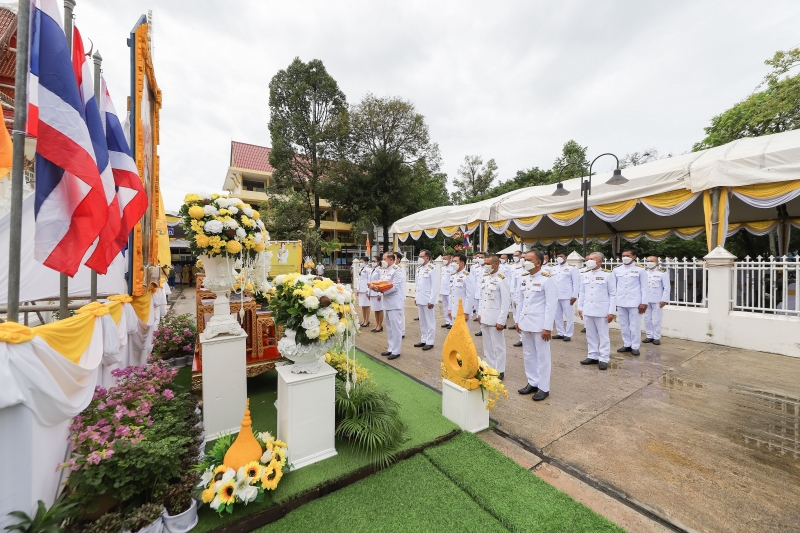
98, 60
18, 161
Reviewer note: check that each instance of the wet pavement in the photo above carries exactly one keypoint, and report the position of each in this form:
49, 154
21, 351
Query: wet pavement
705, 436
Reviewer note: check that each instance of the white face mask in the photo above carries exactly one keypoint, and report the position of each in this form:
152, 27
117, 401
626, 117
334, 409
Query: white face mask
516, 259
528, 266
650, 265
503, 261
374, 264
479, 261
627, 260
560, 260
420, 261
384, 264
591, 264
487, 269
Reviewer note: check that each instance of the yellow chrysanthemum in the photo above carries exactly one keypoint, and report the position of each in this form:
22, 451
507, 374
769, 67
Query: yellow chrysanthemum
233, 247
215, 196
196, 212
327, 357
259, 247
256, 215
209, 494
191, 198
273, 473
201, 240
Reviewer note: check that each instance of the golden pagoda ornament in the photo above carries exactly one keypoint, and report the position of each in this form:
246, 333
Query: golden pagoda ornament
245, 448
459, 356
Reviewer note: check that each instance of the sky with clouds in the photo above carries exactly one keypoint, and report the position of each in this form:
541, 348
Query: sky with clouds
505, 80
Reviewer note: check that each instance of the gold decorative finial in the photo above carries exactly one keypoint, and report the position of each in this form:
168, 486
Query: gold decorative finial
245, 448
459, 356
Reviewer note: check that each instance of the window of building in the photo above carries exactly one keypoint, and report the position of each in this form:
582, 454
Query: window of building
251, 185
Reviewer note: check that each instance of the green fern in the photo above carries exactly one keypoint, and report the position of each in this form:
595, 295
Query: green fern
370, 419
217, 454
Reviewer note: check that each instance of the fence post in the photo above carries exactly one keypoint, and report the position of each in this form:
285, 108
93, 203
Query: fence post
720, 286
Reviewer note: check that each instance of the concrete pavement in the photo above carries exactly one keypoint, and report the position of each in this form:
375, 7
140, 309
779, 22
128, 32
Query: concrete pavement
704, 436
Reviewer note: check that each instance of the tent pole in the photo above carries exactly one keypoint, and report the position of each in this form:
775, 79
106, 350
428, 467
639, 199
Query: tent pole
98, 60
18, 161
714, 218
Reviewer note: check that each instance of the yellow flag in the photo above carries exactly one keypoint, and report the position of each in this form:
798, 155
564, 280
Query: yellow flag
6, 151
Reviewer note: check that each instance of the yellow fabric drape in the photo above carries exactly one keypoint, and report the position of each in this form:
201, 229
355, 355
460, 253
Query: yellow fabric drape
567, 215
527, 221
761, 225
115, 310
658, 233
416, 234
721, 226
141, 305
164, 254
431, 233
614, 208
691, 230
95, 309
450, 230
631, 234
401, 236
485, 236
498, 225
668, 199
14, 333
69, 337
767, 190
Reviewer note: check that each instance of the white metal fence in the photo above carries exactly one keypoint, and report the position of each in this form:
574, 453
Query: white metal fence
688, 280
766, 285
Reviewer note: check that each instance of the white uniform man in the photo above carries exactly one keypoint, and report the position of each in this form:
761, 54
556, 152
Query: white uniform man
394, 303
567, 280
534, 320
631, 301
364, 274
320, 270
658, 287
546, 266
444, 288
493, 314
461, 288
517, 271
477, 271
426, 287
597, 305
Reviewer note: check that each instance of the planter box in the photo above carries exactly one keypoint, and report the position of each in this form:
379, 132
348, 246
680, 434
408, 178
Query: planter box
467, 408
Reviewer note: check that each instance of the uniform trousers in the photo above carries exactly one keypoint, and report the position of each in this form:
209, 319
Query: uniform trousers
564, 312
536, 355
394, 329
652, 320
630, 325
494, 347
427, 323
446, 308
597, 337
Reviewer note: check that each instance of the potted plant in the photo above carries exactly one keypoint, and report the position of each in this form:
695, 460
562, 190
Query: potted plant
45, 520
174, 340
180, 508
144, 519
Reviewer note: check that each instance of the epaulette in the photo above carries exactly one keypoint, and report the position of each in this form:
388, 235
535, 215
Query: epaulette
617, 266
527, 274
639, 265
501, 276
583, 270
605, 270
546, 274
660, 269
396, 266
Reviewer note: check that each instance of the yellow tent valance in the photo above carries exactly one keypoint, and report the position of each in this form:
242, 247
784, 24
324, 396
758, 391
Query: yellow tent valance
668, 199
615, 208
566, 216
767, 190
416, 234
498, 225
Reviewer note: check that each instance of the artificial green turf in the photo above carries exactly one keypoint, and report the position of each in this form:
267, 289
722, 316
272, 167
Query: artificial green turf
517, 498
410, 496
420, 409
183, 381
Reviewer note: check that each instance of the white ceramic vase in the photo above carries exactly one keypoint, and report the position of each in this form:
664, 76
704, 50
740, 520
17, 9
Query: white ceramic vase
183, 522
307, 358
220, 277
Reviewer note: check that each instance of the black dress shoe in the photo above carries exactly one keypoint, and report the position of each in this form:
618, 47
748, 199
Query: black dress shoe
540, 395
449, 326
393, 356
624, 349
479, 334
634, 352
567, 339
557, 337
589, 361
648, 339
444, 325
528, 389
583, 330
518, 344
419, 345
404, 336
656, 341
603, 366
416, 318
502, 376
386, 353
427, 347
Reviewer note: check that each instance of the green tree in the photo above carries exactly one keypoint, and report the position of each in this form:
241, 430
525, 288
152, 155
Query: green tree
474, 179
287, 217
572, 154
306, 109
772, 110
388, 168
634, 159
330, 248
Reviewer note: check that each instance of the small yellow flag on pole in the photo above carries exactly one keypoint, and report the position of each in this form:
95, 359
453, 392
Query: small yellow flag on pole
6, 152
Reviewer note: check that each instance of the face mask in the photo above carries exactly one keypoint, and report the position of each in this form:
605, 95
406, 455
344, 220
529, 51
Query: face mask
503, 261
420, 261
627, 260
560, 260
591, 264
363, 264
479, 261
516, 259
487, 269
374, 264
528, 266
384, 264
650, 265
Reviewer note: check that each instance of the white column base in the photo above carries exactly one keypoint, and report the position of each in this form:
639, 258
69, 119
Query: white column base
306, 414
224, 384
467, 408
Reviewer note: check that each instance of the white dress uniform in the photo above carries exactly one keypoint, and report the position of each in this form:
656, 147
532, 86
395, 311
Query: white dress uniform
394, 304
567, 280
517, 271
461, 290
444, 291
631, 293
597, 299
375, 303
476, 271
426, 287
536, 312
493, 309
657, 291
364, 274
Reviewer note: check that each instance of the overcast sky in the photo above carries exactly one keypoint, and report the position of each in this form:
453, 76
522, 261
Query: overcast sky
505, 80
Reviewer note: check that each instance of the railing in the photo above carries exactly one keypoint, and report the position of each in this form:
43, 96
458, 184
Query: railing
766, 286
688, 280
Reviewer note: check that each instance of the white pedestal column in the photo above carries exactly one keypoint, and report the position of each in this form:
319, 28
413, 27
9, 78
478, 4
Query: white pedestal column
464, 407
224, 384
306, 414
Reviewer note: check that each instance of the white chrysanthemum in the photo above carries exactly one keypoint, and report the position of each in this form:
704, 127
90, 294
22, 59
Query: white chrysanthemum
260, 224
233, 209
311, 302
240, 234
247, 211
230, 223
223, 202
312, 333
213, 226
210, 210
310, 322
204, 195
340, 327
280, 279
331, 292
257, 237
319, 293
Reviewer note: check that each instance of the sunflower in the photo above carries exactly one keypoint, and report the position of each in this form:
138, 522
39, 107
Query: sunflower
252, 471
272, 475
226, 492
278, 456
280, 444
209, 494
219, 471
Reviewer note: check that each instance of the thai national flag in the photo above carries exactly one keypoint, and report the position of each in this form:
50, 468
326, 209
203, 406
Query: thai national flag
466, 237
70, 204
104, 252
131, 196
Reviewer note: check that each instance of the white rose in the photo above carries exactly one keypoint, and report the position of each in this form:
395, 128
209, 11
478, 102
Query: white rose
259, 223
247, 211
210, 210
279, 279
311, 302
266, 457
310, 322
213, 226
312, 333
333, 318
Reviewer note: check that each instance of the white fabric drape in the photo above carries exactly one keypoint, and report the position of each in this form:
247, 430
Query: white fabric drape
669, 211
502, 229
527, 227
611, 218
767, 203
564, 222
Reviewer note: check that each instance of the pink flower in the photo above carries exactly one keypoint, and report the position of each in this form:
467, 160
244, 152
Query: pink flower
94, 458
168, 394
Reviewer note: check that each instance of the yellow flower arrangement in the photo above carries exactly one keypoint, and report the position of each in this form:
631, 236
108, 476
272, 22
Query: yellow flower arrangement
343, 365
278, 456
201, 240
191, 198
196, 212
233, 247
490, 383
